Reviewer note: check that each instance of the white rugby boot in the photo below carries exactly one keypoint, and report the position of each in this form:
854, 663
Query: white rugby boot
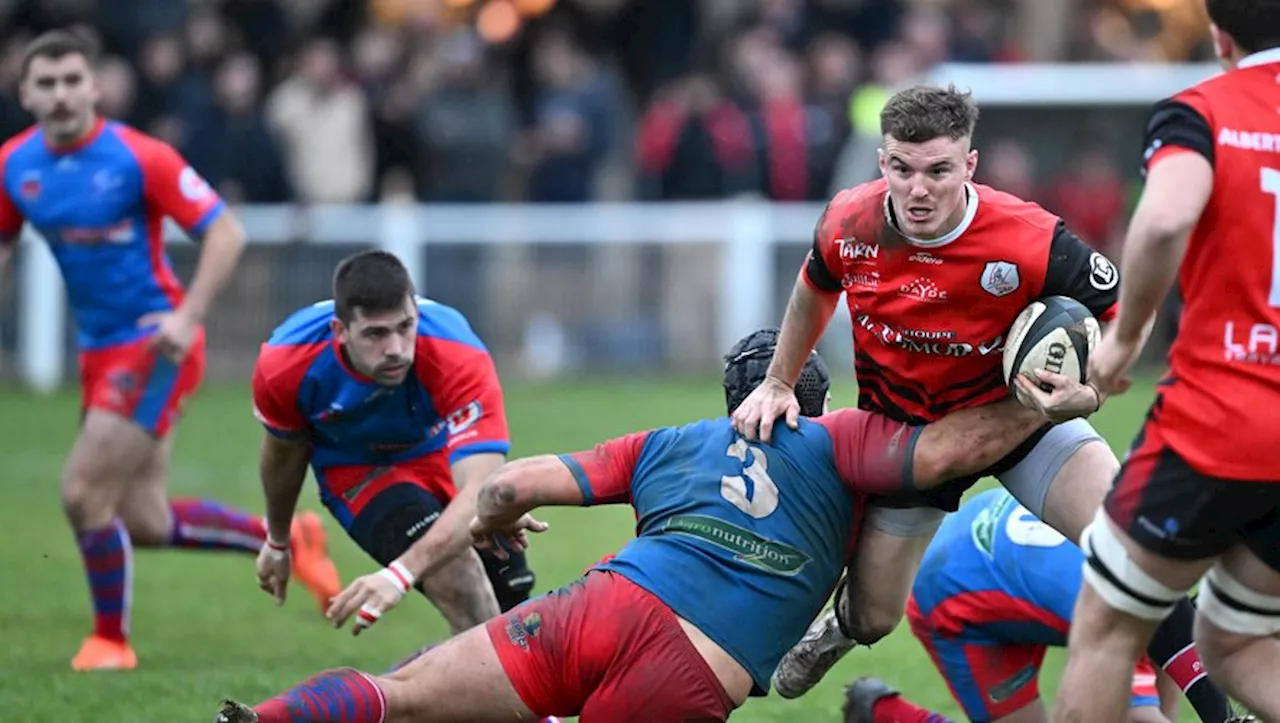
822, 646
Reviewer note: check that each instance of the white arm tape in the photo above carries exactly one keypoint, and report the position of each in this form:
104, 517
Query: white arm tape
398, 574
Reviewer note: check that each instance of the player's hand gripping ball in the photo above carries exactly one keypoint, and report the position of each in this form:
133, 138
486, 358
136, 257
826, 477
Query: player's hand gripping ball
1046, 357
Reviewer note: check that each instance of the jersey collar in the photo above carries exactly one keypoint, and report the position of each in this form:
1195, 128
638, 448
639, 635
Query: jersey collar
94, 131
970, 212
1260, 58
346, 367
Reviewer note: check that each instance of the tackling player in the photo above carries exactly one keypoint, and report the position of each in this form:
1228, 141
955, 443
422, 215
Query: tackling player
995, 590
395, 404
1198, 492
934, 269
98, 192
765, 530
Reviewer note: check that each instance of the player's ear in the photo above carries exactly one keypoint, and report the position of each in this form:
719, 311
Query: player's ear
884, 162
970, 164
339, 330
1223, 45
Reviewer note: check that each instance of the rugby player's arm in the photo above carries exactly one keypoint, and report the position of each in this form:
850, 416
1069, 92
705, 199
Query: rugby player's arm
598, 476
10, 226
282, 467
1179, 182
286, 448
879, 456
176, 190
809, 310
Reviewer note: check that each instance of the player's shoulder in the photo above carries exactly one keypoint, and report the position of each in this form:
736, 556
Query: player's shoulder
1006, 208
854, 201
441, 322
133, 139
20, 145
306, 326
30, 137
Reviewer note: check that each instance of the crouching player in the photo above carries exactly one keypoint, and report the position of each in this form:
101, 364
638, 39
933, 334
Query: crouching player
395, 404
764, 530
995, 590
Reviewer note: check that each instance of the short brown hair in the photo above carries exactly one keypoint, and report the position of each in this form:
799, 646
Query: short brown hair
375, 282
1253, 24
923, 112
56, 44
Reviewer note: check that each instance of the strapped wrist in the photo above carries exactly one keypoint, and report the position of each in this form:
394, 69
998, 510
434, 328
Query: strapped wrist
398, 574
277, 546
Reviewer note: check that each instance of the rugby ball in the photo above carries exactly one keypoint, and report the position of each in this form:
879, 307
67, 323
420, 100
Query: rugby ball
1055, 333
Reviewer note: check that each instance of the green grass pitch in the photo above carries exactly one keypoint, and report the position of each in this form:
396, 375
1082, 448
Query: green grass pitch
203, 630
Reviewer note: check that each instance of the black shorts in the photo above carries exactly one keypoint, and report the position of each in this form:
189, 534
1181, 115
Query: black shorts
1176, 512
400, 514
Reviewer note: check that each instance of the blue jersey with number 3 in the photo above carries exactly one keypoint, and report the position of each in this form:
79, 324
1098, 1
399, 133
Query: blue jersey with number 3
744, 540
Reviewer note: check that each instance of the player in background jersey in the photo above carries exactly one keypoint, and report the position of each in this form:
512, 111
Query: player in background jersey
1200, 489
98, 192
395, 404
766, 530
994, 591
934, 269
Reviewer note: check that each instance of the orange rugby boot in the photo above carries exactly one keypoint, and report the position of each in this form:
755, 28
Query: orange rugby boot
311, 563
97, 653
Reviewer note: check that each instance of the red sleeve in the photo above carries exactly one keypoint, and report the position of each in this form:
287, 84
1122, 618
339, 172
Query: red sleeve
604, 473
172, 187
10, 217
277, 378
873, 453
465, 389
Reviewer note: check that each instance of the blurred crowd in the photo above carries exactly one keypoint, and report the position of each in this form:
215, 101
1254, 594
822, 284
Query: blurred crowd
571, 100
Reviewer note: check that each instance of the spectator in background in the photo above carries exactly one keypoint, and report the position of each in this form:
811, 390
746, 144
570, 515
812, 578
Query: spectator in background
379, 57
13, 119
230, 143
1007, 164
169, 91
782, 131
575, 114
1090, 196
835, 68
322, 121
117, 88
264, 27
695, 143
464, 124
208, 39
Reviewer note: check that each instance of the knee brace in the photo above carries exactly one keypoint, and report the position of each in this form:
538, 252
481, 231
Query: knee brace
511, 578
1118, 580
1228, 604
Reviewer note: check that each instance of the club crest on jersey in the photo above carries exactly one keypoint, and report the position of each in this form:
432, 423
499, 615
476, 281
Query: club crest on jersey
1000, 278
460, 420
1102, 273
29, 187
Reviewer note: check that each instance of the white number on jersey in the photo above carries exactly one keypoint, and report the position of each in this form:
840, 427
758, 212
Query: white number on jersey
1024, 528
764, 495
1271, 185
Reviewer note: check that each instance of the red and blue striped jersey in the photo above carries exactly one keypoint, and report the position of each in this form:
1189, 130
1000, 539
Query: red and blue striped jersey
100, 205
303, 386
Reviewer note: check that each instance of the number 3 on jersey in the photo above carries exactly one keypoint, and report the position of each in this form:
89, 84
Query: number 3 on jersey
763, 499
